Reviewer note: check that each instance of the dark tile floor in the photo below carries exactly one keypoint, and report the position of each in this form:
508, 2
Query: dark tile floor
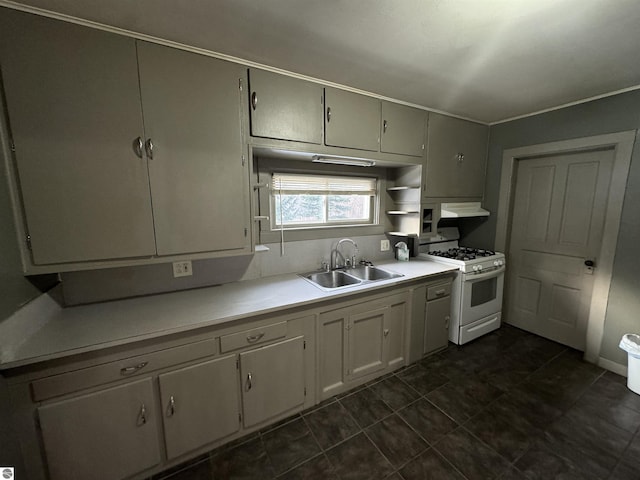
509, 405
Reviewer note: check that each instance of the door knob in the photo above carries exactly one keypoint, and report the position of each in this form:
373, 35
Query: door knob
589, 263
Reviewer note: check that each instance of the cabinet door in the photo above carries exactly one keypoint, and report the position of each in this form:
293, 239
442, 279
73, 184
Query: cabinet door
366, 342
351, 120
394, 334
447, 175
110, 434
332, 347
192, 114
200, 404
272, 380
436, 331
285, 108
74, 111
403, 129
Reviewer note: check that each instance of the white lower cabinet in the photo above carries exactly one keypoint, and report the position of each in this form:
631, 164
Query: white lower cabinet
356, 342
179, 402
437, 316
272, 380
199, 404
118, 416
104, 435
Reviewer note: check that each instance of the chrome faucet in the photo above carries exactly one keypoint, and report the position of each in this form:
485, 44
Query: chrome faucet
336, 251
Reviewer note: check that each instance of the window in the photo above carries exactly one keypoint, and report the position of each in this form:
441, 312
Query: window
304, 201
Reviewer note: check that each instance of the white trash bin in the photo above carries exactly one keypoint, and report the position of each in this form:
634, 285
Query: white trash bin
630, 343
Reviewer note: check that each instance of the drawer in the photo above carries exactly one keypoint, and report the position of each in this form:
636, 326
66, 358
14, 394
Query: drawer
64, 383
439, 291
254, 336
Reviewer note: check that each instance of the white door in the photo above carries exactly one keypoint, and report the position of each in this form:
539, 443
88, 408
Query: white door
557, 224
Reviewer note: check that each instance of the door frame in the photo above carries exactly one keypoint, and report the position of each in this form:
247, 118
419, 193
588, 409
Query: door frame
622, 144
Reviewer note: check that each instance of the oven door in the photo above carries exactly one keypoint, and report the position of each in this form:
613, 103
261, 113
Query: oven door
481, 295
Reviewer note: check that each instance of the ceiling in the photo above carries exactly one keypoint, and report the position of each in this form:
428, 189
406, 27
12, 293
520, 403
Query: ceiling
487, 60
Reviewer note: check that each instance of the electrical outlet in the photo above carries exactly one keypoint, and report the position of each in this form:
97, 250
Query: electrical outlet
384, 245
182, 269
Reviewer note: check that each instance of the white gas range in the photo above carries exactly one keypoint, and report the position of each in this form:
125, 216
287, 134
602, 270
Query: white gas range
477, 289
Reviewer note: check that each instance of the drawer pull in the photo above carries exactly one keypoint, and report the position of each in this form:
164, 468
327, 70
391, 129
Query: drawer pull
134, 369
248, 385
440, 293
142, 416
171, 409
255, 338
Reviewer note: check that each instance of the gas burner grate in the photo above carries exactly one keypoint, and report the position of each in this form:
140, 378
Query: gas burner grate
463, 253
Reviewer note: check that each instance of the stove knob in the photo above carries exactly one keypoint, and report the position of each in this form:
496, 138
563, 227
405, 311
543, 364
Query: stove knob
479, 267
500, 263
496, 263
475, 268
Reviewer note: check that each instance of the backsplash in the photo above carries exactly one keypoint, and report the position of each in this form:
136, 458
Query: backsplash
114, 283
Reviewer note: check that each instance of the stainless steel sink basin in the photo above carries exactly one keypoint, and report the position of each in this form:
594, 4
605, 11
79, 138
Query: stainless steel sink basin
371, 273
333, 279
348, 278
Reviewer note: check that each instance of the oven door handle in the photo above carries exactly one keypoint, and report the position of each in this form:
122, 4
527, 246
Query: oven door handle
474, 277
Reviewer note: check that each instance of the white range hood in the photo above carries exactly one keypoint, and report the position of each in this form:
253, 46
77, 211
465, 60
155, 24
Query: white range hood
462, 209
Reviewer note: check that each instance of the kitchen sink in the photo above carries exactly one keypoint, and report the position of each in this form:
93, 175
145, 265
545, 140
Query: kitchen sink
372, 273
348, 278
332, 279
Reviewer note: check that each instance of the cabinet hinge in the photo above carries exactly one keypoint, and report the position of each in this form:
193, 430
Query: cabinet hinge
246, 231
28, 240
304, 344
305, 391
243, 159
239, 417
240, 84
13, 146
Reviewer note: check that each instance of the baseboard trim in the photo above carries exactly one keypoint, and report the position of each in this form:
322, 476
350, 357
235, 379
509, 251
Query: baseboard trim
613, 366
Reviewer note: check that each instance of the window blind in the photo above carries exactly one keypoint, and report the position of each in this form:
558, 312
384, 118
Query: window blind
293, 184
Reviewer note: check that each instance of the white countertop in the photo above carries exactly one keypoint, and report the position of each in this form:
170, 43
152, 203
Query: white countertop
43, 330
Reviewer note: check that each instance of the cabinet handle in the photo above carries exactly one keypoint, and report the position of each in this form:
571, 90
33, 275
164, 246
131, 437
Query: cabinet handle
255, 338
446, 322
171, 409
460, 157
384, 126
254, 100
248, 385
328, 114
142, 416
385, 332
149, 148
440, 293
137, 147
134, 369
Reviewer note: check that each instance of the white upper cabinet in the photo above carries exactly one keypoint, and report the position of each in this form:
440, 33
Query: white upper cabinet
124, 150
285, 108
193, 130
402, 130
351, 120
456, 157
74, 113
